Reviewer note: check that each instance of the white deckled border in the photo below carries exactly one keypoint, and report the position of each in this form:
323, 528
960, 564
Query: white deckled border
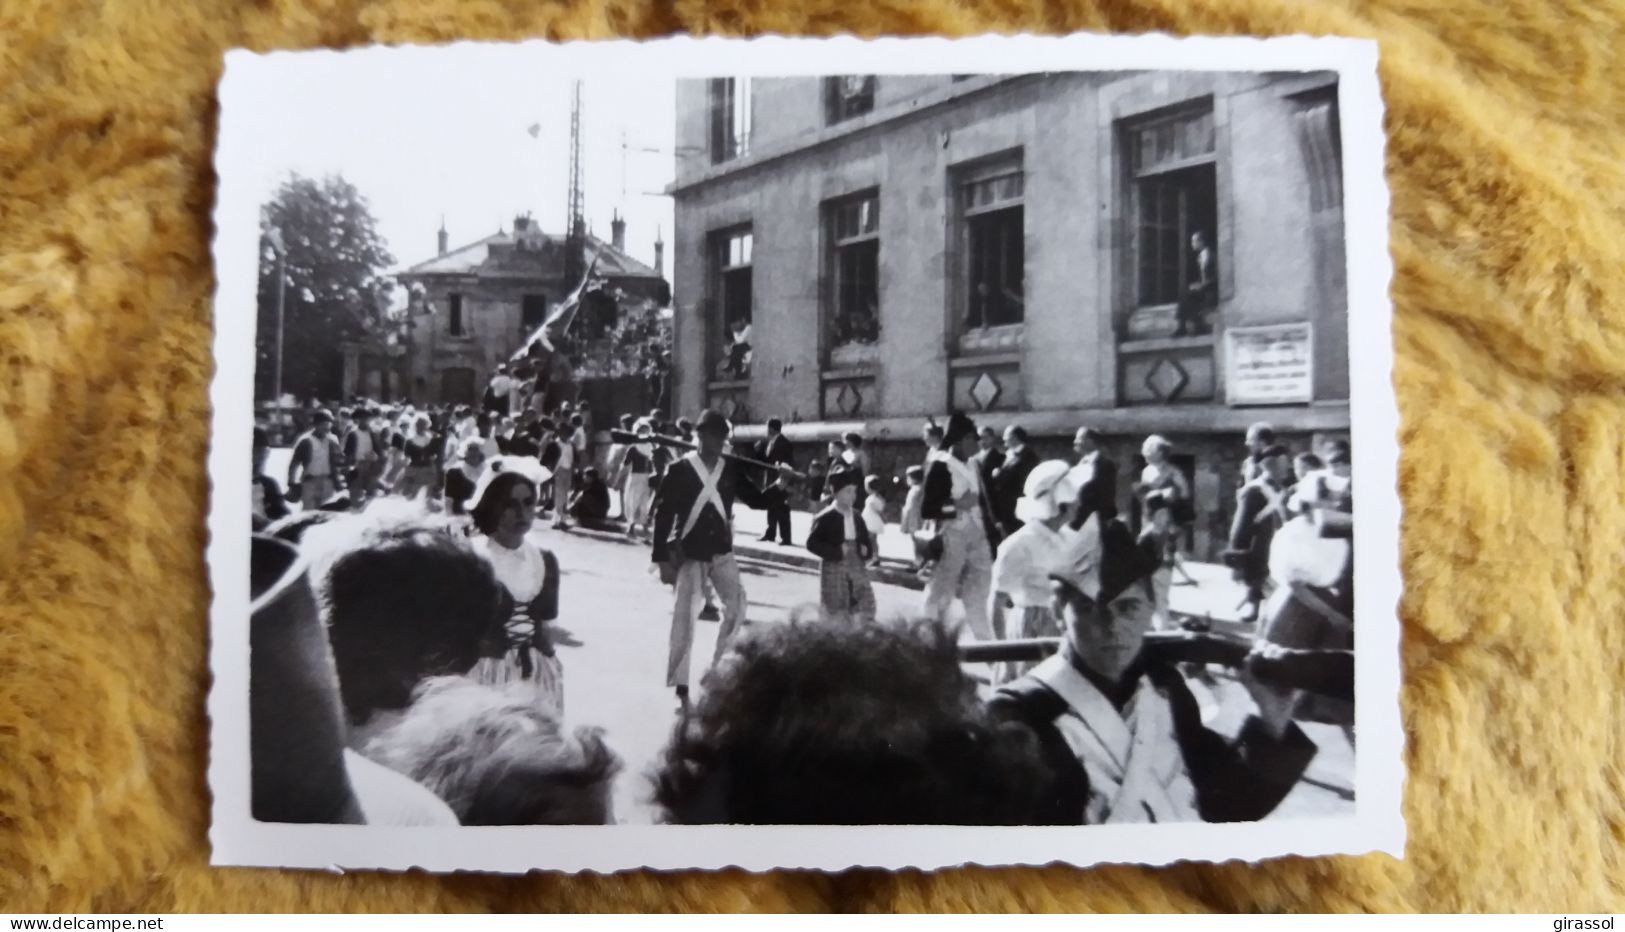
1376, 825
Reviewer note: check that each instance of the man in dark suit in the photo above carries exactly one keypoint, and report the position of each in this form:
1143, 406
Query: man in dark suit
1010, 477
1092, 462
988, 457
776, 450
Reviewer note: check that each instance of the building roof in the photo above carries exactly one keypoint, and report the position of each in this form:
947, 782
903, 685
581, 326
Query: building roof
500, 256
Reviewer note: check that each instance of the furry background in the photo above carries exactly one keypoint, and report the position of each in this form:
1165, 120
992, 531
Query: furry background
1506, 158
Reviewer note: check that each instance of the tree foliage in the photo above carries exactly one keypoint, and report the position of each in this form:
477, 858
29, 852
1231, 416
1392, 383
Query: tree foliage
334, 290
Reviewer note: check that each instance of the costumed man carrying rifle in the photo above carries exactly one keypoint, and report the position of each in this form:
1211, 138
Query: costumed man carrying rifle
693, 537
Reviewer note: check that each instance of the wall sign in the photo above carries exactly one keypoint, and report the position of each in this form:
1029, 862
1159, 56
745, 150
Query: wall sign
1269, 365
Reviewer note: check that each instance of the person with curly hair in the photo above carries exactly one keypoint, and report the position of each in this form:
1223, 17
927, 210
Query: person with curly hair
497, 759
404, 598
816, 724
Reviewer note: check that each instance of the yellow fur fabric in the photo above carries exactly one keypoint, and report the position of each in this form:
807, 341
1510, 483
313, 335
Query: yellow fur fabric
1506, 158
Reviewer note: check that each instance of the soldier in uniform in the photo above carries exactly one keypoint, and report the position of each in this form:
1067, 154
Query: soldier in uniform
1261, 510
693, 538
1120, 727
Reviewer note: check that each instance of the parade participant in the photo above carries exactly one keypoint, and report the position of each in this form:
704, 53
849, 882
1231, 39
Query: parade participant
498, 400
854, 455
987, 458
497, 759
1161, 475
931, 434
955, 499
462, 475
1010, 478
634, 478
589, 504
394, 467
313, 469
914, 478
1089, 445
874, 514
776, 449
844, 545
847, 725
1019, 601
816, 483
362, 457
563, 476
1120, 727
1306, 469
693, 539
268, 500
1260, 436
617, 450
521, 650
1160, 541
419, 448
1261, 510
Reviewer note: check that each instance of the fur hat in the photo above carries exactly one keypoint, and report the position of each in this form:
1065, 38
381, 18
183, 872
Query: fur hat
713, 423
959, 427
841, 477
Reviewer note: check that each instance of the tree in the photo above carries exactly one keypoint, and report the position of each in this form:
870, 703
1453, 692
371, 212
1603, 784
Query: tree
335, 286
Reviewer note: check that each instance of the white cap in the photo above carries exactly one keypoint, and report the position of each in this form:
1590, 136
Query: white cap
1049, 489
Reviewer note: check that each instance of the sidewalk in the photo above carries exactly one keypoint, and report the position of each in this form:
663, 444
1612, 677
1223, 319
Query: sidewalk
1215, 595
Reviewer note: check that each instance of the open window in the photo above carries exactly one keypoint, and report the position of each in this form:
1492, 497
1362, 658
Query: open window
991, 243
730, 293
730, 118
848, 96
852, 259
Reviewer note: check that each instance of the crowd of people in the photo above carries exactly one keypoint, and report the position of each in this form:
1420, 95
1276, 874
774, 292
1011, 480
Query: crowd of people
404, 643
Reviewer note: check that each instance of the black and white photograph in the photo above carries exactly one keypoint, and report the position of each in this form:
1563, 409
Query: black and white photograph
803, 453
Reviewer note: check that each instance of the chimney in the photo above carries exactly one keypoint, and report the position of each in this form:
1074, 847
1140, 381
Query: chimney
617, 233
442, 235
521, 223
660, 254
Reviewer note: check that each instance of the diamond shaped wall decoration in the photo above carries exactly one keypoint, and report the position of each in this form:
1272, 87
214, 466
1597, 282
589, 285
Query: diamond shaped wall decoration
849, 399
985, 391
1166, 379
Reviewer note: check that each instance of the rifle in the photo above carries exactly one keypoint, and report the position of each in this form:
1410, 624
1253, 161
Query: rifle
626, 436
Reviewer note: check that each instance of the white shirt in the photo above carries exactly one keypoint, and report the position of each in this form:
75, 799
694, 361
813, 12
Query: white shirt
1025, 560
521, 571
567, 455
501, 385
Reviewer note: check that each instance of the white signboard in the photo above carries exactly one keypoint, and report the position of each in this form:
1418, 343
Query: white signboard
1269, 365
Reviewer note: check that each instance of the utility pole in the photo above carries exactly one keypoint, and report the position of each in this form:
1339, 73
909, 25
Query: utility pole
575, 223
274, 235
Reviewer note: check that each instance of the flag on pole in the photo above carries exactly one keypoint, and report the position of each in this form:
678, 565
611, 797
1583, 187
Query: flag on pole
558, 323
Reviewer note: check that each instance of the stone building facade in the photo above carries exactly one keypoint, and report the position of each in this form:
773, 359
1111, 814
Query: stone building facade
1022, 248
472, 307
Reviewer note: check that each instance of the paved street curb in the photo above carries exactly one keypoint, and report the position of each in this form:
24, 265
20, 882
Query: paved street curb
769, 553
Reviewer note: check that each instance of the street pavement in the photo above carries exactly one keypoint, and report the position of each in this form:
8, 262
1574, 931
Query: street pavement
615, 622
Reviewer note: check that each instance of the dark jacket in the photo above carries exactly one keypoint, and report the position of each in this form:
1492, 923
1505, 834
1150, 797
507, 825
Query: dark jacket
827, 539
712, 535
1237, 779
937, 501
1254, 528
1009, 481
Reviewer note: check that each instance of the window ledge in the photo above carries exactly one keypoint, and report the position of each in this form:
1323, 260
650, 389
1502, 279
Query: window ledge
979, 360
717, 385
847, 373
1165, 343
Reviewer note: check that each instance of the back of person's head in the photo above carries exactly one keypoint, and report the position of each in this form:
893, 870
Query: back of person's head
774, 425
576, 420
404, 598
823, 723
915, 475
498, 759
854, 440
872, 485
